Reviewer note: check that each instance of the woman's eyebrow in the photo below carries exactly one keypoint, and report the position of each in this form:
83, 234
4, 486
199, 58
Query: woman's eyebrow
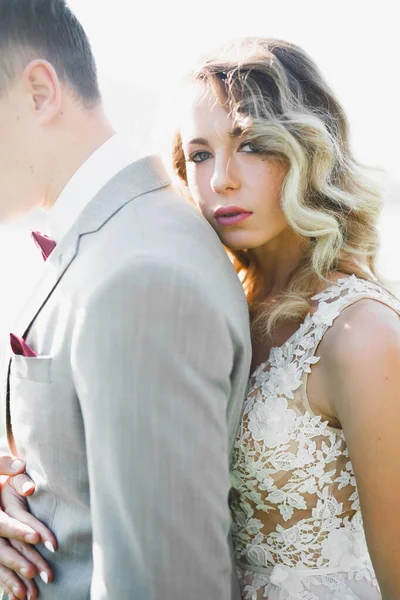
201, 141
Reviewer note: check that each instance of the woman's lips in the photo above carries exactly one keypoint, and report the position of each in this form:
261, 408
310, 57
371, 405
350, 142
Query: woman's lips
231, 215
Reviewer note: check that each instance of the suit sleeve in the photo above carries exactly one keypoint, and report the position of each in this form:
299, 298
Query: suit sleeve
152, 358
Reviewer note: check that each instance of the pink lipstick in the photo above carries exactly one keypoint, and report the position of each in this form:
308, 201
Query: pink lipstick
231, 215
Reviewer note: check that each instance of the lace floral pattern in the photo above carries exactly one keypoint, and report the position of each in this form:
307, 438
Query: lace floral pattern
295, 506
291, 584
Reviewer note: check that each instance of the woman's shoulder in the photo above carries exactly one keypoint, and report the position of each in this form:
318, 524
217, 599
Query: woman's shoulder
362, 339
360, 361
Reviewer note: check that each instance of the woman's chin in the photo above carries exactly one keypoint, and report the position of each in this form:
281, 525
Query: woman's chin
230, 244
235, 242
234, 247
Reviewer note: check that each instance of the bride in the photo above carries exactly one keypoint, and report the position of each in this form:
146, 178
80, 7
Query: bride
263, 149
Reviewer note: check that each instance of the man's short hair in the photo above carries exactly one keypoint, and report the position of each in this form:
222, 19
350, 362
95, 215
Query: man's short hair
31, 29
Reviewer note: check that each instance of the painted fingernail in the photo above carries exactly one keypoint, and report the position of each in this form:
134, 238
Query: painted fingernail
15, 590
44, 577
16, 465
50, 546
25, 487
31, 538
24, 572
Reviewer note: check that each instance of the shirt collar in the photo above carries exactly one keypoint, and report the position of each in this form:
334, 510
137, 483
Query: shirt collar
108, 160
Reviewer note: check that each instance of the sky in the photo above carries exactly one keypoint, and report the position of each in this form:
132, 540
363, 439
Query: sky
143, 48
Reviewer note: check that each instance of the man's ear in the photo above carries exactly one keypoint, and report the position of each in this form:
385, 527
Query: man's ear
42, 84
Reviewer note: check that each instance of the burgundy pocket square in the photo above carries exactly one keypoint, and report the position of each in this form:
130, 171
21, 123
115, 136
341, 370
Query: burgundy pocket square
20, 347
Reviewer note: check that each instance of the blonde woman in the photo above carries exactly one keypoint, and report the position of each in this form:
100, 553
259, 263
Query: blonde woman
264, 151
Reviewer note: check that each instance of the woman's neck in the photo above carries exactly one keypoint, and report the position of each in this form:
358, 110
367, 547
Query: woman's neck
277, 260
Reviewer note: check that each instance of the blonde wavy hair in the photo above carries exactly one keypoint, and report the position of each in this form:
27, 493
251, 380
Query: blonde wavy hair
279, 99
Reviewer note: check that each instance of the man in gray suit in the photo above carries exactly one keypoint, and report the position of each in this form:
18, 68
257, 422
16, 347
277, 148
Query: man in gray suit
128, 366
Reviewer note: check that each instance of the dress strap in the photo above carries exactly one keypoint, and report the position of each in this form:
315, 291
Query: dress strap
344, 293
331, 303
291, 363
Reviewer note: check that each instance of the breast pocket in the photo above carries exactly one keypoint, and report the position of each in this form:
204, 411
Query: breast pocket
31, 401
37, 368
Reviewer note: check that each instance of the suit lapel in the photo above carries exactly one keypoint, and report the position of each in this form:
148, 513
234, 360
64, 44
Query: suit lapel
55, 267
141, 177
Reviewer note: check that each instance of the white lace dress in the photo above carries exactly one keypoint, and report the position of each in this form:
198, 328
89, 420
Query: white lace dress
298, 529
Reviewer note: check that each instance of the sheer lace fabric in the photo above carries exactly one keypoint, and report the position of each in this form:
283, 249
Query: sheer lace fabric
298, 528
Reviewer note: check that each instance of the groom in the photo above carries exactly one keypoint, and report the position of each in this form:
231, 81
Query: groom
129, 363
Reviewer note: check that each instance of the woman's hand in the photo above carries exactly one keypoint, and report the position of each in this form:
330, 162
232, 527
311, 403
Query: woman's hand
19, 532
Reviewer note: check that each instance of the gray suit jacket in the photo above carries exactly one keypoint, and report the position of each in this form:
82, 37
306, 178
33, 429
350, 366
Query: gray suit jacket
128, 414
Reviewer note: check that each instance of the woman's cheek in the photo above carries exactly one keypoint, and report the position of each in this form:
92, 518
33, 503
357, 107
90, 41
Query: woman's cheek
197, 187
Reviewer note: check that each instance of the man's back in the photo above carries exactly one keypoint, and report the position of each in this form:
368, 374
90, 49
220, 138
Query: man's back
143, 355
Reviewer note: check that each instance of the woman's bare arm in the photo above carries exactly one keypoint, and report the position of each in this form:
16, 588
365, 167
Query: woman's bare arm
361, 370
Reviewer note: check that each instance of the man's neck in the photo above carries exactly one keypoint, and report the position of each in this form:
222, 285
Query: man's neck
74, 147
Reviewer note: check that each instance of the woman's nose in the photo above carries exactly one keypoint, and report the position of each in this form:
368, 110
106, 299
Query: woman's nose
225, 177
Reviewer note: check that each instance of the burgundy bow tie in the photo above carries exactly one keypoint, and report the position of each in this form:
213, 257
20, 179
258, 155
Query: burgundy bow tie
44, 243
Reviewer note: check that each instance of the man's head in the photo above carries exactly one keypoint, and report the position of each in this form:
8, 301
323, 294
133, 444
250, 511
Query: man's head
48, 83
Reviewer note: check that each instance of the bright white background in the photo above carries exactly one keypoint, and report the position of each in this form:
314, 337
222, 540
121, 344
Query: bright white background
142, 48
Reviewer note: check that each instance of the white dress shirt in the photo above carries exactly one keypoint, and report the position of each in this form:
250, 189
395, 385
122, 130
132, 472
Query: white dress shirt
110, 158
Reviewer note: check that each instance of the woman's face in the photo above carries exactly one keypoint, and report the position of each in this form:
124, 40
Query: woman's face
237, 188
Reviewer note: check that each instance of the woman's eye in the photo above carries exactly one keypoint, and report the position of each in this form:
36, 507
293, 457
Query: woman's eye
199, 156
250, 147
